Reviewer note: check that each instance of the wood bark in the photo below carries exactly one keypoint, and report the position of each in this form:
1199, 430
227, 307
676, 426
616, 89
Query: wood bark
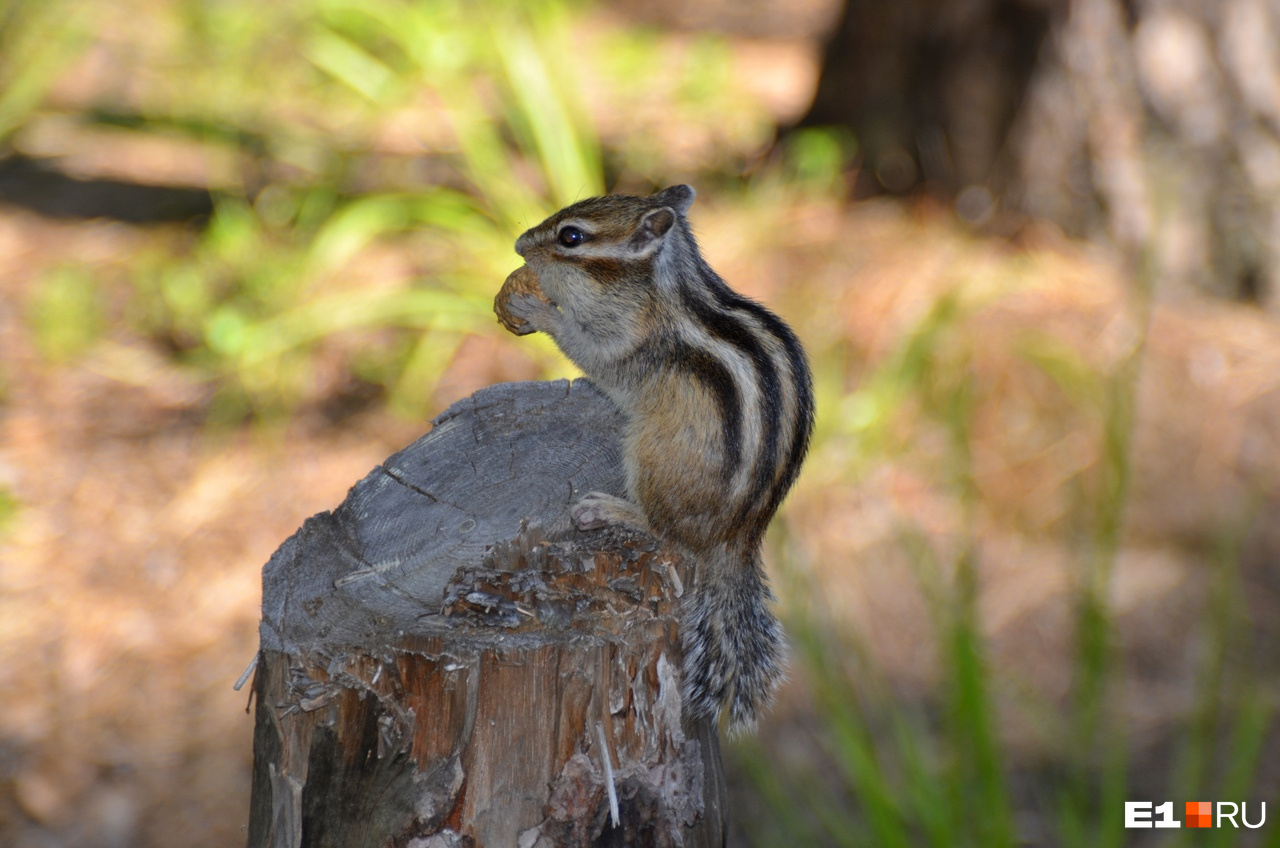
1154, 125
445, 662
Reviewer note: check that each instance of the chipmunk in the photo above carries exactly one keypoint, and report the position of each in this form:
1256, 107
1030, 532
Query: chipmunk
718, 399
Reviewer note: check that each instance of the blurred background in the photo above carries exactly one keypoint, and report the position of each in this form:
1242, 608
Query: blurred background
248, 249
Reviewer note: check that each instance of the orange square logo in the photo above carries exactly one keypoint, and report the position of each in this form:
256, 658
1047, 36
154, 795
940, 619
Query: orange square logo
1199, 814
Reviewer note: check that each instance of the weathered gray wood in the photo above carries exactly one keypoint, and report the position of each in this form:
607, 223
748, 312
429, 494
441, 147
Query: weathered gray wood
445, 662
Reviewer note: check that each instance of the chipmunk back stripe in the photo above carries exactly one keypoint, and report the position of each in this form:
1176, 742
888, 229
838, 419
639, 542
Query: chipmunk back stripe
803, 427
798, 381
803, 386
718, 379
724, 326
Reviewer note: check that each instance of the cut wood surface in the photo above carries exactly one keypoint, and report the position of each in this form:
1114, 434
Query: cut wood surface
445, 662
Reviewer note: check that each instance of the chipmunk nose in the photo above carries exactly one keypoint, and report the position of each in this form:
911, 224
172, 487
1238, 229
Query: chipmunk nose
523, 243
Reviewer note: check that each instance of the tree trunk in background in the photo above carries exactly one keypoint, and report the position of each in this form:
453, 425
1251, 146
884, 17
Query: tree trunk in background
930, 87
1156, 124
435, 673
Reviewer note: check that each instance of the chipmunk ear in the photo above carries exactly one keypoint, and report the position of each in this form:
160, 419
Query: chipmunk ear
678, 197
653, 227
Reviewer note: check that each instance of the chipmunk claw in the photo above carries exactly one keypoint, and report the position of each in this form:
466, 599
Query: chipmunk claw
525, 310
589, 513
596, 509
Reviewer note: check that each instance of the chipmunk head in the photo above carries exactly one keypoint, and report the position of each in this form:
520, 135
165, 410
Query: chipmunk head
603, 247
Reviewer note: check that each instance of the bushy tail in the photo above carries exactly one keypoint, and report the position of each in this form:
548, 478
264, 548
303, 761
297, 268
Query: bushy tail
733, 644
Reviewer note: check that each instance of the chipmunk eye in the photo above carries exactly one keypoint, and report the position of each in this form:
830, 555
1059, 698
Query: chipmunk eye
571, 237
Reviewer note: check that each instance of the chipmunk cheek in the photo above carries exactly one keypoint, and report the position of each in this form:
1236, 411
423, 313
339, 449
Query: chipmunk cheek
581, 290
562, 285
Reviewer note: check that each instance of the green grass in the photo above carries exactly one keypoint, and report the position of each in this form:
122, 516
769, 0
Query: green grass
297, 93
39, 39
66, 314
295, 101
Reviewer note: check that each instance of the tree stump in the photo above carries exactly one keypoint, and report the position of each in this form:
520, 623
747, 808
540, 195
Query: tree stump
445, 662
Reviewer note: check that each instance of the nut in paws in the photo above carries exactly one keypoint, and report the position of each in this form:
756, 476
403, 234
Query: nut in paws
519, 299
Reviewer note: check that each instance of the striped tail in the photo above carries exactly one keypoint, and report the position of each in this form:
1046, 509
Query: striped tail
734, 647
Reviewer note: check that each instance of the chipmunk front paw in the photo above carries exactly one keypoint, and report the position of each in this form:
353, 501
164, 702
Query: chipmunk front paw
532, 314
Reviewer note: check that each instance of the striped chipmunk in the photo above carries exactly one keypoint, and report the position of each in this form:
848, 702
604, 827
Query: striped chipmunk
718, 400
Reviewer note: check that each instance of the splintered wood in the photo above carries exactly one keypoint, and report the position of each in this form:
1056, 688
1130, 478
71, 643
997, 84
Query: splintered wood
525, 691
